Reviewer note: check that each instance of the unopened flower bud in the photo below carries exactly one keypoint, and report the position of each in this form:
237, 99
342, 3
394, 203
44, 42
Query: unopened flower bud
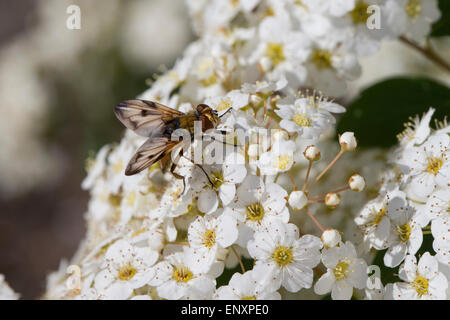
332, 199
330, 238
357, 182
312, 153
348, 141
298, 200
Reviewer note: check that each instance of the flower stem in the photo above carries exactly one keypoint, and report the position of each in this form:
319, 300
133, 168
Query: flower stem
307, 176
334, 191
327, 168
316, 201
179, 243
315, 220
292, 181
428, 52
239, 259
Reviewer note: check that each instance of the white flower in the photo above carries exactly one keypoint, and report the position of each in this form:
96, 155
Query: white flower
374, 222
280, 158
207, 235
264, 87
176, 278
298, 200
412, 18
331, 62
281, 50
246, 287
234, 99
256, 204
126, 267
345, 271
440, 204
436, 207
427, 166
304, 118
416, 132
173, 202
423, 281
154, 233
347, 141
284, 258
365, 40
220, 183
406, 234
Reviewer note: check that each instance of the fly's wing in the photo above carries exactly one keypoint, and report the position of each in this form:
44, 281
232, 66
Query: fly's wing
146, 118
153, 150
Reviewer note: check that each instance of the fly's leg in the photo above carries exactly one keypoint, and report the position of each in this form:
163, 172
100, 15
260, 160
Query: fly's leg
224, 133
206, 174
178, 176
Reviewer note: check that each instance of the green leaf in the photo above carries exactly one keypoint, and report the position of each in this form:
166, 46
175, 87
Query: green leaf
378, 114
442, 27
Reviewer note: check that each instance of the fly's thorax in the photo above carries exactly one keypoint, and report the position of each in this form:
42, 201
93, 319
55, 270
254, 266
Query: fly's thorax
207, 116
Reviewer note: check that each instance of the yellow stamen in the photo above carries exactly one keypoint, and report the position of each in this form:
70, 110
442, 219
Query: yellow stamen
359, 13
301, 120
413, 9
341, 270
115, 200
282, 256
322, 59
182, 274
209, 238
282, 162
126, 272
255, 212
224, 104
404, 232
216, 179
420, 284
275, 53
379, 216
434, 165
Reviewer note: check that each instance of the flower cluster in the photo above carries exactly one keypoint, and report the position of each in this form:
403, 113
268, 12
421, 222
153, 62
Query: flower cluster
151, 236
413, 202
